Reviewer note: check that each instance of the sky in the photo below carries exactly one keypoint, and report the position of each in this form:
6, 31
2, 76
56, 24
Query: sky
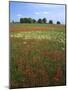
37, 10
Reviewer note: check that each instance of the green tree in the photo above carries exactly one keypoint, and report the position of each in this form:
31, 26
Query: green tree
21, 20
29, 20
44, 20
39, 20
34, 21
58, 22
50, 22
26, 20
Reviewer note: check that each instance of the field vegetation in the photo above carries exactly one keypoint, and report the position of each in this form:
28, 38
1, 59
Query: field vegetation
37, 55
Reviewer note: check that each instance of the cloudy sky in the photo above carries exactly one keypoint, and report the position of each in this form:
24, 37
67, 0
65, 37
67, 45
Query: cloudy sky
36, 11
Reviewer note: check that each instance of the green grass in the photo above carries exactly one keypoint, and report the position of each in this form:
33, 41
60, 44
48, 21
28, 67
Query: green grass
34, 24
35, 58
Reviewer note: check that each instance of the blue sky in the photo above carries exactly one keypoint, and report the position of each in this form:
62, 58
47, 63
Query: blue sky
36, 11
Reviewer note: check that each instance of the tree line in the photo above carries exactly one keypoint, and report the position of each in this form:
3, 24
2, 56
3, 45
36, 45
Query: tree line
30, 20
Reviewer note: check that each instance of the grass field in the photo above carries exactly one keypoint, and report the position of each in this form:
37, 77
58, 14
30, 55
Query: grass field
37, 55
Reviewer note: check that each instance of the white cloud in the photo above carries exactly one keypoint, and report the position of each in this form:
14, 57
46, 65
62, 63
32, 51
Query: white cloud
44, 12
37, 13
19, 15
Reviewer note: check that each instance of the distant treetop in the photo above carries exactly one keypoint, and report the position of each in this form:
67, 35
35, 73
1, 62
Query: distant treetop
30, 20
58, 22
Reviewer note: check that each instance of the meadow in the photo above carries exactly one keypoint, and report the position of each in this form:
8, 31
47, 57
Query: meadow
37, 55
